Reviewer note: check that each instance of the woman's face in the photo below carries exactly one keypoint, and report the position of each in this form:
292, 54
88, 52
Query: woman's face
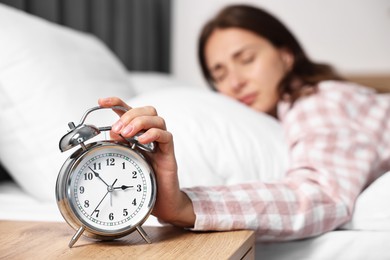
247, 67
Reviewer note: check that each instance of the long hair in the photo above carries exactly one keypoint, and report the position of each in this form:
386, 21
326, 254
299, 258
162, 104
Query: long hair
303, 73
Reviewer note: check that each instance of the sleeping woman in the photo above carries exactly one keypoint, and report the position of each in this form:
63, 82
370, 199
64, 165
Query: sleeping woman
338, 134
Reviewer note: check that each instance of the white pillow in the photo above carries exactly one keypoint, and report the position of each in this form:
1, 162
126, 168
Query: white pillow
49, 75
143, 82
372, 209
218, 140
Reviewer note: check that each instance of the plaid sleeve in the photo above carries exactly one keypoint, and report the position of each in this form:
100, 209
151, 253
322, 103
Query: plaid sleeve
334, 141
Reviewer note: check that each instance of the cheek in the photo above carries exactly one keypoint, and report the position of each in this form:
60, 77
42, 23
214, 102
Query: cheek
225, 89
279, 67
268, 72
267, 103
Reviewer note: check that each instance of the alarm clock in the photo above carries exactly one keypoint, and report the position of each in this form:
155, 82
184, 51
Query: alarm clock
105, 189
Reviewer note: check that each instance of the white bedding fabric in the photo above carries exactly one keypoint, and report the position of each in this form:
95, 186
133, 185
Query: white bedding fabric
335, 245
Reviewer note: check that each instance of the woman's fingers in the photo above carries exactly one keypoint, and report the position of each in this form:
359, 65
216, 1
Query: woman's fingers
163, 138
138, 119
138, 124
135, 120
116, 137
113, 101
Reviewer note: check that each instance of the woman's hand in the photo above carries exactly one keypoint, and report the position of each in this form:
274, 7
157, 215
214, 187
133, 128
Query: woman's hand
172, 205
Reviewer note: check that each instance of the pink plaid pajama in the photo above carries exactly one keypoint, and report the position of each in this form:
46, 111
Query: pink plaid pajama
339, 142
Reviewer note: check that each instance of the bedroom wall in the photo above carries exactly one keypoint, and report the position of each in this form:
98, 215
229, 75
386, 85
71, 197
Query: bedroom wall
137, 31
353, 35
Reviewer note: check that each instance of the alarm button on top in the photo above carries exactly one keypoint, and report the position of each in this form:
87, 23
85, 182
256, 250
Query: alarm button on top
78, 135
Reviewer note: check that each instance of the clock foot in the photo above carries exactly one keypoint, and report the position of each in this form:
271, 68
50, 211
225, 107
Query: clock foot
76, 236
143, 234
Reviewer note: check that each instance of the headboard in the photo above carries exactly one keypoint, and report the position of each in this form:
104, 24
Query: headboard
380, 82
137, 31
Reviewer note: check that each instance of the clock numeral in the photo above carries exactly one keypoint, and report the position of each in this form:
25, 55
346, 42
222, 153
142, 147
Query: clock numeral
111, 216
88, 176
123, 165
134, 174
97, 212
139, 187
134, 202
125, 213
82, 189
110, 162
97, 166
86, 203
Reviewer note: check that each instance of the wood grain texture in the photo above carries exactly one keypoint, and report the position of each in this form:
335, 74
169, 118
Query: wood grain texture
49, 240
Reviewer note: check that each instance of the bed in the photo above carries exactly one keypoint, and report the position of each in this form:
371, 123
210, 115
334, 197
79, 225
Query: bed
50, 75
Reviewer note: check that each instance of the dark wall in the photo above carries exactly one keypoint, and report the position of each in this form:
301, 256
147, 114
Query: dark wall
138, 31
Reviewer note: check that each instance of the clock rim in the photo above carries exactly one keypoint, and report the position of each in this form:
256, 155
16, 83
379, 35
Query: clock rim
63, 196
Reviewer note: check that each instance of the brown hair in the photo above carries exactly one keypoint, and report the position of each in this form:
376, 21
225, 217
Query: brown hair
303, 73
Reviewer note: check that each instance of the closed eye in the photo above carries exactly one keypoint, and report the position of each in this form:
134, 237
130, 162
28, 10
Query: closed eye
246, 57
247, 60
218, 73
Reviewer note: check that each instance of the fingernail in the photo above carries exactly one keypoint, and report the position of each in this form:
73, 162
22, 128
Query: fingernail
117, 127
127, 130
105, 100
142, 137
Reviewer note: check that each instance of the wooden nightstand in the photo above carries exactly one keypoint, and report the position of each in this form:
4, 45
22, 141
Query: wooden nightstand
49, 240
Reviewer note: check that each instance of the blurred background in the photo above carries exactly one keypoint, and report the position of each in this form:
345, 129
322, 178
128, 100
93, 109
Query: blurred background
352, 35
161, 35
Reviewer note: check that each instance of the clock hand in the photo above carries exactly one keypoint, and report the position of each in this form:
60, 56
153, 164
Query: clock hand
108, 191
123, 187
98, 176
99, 203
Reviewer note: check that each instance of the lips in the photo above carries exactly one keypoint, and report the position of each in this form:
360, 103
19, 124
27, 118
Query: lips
248, 99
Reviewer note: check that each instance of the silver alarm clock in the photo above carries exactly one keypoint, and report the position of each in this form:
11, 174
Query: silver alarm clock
105, 189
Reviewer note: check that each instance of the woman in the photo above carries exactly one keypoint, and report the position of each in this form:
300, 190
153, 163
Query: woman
337, 132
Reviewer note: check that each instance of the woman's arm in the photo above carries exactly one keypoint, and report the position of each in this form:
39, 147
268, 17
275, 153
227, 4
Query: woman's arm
334, 155
172, 205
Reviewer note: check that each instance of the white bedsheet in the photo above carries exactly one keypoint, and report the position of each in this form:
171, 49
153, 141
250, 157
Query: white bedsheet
340, 244
344, 245
17, 205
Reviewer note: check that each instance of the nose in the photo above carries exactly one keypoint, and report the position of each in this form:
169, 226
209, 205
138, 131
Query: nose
236, 80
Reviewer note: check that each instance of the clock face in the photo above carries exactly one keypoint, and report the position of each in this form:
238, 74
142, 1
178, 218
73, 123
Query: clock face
111, 189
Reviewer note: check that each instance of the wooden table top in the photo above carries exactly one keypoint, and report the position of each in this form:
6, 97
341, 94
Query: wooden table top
49, 240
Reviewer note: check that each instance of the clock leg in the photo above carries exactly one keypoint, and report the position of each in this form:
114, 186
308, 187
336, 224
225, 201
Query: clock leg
143, 234
76, 236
